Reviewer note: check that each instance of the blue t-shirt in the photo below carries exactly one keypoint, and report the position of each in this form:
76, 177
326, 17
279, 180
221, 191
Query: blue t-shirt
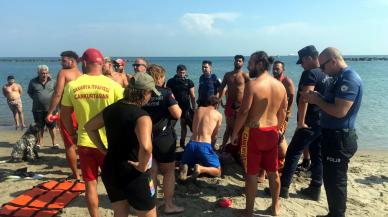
313, 77
348, 86
208, 86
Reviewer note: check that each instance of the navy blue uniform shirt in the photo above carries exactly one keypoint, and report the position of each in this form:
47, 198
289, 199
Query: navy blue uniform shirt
347, 86
180, 87
208, 86
313, 77
157, 107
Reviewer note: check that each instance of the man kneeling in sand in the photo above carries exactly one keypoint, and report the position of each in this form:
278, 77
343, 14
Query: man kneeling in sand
199, 152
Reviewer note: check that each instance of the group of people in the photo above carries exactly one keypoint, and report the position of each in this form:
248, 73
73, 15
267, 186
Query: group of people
124, 124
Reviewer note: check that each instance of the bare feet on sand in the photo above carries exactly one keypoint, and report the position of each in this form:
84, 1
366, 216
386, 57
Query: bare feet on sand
197, 171
173, 209
273, 210
183, 172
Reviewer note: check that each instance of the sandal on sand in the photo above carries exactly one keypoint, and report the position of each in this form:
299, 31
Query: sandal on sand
55, 146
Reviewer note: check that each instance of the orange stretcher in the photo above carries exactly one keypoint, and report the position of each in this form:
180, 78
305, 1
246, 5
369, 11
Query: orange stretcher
44, 200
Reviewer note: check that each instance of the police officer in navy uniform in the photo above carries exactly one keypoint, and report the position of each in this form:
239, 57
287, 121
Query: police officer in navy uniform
164, 111
339, 106
208, 84
308, 133
183, 89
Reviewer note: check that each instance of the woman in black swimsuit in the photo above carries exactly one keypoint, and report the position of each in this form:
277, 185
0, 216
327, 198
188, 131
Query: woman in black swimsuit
125, 172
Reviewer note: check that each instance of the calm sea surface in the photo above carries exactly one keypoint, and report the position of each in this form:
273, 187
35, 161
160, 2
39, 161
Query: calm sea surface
371, 123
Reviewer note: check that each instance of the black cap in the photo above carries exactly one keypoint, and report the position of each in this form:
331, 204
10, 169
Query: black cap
306, 51
10, 77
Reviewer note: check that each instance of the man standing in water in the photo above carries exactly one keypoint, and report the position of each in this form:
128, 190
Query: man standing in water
69, 72
339, 105
235, 82
13, 92
262, 112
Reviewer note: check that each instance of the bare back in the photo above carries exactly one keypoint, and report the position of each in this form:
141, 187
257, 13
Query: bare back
64, 76
236, 83
13, 91
268, 102
206, 123
290, 89
69, 74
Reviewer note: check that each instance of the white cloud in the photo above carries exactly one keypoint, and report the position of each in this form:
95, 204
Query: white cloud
201, 22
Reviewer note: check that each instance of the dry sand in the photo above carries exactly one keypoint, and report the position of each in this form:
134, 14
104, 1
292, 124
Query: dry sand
367, 186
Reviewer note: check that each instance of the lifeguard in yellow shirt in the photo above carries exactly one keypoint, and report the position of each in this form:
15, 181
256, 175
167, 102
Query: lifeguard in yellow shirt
87, 96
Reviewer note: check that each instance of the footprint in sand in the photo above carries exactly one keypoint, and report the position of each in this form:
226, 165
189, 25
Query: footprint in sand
355, 170
356, 202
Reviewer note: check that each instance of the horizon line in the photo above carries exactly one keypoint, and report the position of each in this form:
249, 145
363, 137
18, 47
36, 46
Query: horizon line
283, 55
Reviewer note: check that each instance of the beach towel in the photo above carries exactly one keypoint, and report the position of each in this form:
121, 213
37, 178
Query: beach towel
43, 200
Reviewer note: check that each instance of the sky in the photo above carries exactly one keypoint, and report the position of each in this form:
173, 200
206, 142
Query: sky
44, 28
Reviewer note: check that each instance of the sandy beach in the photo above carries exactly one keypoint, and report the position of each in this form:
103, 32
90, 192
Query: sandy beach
367, 186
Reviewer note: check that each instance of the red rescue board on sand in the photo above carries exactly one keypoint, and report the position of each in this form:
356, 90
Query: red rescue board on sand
44, 200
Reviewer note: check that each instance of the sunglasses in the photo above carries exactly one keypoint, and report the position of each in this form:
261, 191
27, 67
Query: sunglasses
322, 66
138, 65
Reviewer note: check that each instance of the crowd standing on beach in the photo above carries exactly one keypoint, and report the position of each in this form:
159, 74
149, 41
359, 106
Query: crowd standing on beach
124, 124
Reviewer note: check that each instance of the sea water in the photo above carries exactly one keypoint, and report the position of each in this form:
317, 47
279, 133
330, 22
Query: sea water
371, 122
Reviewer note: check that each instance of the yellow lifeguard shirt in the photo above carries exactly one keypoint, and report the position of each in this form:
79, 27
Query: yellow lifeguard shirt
89, 95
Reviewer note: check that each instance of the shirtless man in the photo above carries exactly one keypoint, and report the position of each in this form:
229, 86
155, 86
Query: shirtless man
199, 152
278, 73
12, 91
235, 81
107, 70
262, 111
68, 73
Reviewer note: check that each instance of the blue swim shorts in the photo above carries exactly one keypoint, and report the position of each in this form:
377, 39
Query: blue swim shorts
200, 153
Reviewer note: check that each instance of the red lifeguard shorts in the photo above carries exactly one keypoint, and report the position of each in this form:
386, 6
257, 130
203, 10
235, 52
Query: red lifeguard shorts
90, 159
259, 149
228, 110
67, 140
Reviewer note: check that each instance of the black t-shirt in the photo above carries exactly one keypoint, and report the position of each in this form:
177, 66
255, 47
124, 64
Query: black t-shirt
313, 77
120, 122
157, 107
180, 87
